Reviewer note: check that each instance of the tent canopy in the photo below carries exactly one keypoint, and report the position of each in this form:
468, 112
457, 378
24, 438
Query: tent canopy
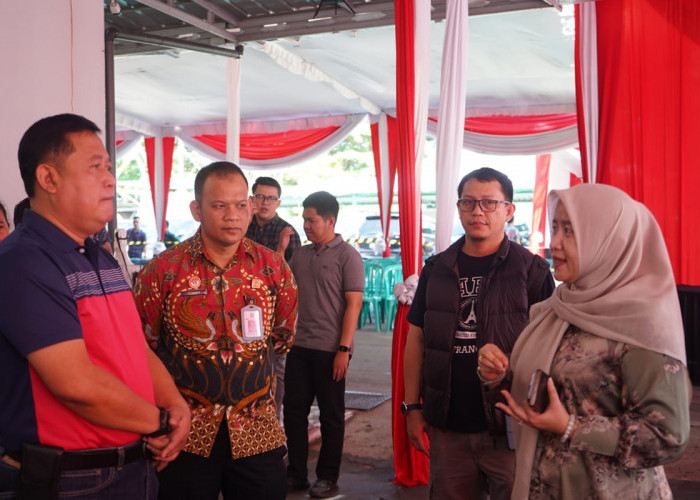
520, 63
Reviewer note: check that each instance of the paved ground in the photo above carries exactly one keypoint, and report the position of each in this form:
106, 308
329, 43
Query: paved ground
367, 471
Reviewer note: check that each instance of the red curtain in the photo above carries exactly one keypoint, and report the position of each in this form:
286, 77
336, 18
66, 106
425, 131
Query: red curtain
168, 146
410, 466
518, 125
539, 202
378, 168
649, 79
273, 145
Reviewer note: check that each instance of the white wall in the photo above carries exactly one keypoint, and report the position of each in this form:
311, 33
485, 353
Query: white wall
51, 61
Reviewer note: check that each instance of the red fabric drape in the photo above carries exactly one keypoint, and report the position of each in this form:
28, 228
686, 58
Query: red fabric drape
573, 180
168, 146
649, 78
273, 145
517, 125
539, 202
378, 167
410, 466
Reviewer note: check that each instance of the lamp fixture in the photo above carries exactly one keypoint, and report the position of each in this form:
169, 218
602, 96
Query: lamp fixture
344, 4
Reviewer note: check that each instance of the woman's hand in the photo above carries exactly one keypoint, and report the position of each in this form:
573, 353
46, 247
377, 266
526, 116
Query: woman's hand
492, 362
554, 418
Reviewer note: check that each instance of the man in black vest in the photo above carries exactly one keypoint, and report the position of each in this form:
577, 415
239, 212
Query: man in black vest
477, 291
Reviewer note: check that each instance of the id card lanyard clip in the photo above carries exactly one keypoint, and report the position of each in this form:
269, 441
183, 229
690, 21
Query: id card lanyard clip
251, 321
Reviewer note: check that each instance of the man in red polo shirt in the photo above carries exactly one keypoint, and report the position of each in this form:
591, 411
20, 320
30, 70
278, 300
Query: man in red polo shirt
82, 387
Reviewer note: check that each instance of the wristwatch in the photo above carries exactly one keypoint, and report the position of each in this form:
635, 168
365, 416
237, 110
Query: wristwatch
343, 348
164, 422
405, 408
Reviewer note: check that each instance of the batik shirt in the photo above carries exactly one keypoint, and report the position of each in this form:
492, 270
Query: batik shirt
631, 407
190, 310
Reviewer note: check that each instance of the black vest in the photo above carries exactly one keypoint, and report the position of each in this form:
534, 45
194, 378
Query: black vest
503, 304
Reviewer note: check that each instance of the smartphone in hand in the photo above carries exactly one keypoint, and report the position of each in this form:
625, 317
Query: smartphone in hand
537, 396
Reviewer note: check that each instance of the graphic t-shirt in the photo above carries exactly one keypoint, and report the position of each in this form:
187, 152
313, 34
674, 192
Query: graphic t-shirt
466, 412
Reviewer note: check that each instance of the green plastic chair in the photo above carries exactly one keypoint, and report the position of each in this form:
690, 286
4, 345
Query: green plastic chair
392, 275
372, 298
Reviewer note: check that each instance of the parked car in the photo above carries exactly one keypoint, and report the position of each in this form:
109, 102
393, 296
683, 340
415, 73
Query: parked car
369, 240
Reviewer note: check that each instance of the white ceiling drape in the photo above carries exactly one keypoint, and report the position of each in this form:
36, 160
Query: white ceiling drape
453, 91
319, 148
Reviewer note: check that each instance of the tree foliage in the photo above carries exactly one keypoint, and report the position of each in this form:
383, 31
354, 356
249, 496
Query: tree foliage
353, 154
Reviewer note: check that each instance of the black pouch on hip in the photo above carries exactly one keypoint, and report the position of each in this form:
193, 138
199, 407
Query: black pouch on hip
40, 472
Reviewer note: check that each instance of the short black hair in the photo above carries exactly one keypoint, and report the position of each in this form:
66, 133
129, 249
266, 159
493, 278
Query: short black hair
219, 168
487, 174
326, 204
20, 208
4, 212
267, 181
47, 140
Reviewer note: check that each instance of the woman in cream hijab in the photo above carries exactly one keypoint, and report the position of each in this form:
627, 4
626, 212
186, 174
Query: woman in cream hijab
611, 338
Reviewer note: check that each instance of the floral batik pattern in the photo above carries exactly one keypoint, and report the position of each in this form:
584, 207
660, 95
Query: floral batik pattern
628, 406
190, 309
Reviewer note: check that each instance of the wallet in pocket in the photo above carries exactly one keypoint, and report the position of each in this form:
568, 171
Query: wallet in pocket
493, 393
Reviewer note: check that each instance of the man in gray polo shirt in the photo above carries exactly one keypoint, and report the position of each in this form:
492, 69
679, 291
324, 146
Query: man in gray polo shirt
330, 280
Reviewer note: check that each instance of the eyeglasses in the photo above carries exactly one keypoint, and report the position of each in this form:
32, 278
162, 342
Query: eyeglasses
262, 197
468, 204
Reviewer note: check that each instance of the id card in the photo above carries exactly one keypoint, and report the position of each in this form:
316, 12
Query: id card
252, 325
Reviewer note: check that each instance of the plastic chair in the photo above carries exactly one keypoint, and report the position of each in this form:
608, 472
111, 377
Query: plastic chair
392, 275
372, 298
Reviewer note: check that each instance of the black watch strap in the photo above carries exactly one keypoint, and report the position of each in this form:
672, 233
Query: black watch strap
405, 408
343, 348
164, 421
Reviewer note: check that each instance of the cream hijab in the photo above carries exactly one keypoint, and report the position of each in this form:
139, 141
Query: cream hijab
625, 292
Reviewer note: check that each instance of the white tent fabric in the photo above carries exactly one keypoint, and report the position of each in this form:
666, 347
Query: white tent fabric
520, 63
589, 89
318, 149
421, 28
451, 118
531, 144
384, 173
126, 147
233, 110
298, 66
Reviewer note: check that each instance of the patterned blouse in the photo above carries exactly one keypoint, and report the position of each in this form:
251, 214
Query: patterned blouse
190, 309
632, 411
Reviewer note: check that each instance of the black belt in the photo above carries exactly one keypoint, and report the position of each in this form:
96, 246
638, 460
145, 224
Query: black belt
98, 458
103, 457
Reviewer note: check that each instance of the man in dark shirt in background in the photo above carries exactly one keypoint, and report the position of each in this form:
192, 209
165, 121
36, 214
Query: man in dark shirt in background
266, 227
269, 229
136, 239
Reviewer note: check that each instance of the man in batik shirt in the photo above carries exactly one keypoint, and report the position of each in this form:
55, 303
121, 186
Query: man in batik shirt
215, 309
